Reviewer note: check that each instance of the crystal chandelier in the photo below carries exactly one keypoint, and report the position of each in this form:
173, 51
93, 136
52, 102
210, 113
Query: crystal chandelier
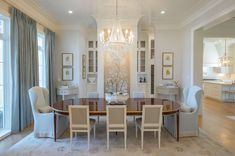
225, 60
116, 37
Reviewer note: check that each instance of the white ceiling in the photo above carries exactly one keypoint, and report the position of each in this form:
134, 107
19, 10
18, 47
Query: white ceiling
177, 11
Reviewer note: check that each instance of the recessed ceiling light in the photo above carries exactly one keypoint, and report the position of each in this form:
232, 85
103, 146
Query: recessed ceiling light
163, 12
70, 11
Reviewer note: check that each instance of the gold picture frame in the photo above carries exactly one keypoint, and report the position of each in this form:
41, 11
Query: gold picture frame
167, 72
167, 59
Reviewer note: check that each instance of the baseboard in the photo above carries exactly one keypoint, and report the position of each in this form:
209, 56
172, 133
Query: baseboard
4, 133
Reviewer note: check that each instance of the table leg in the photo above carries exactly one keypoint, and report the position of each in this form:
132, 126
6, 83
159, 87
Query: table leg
177, 122
163, 120
54, 127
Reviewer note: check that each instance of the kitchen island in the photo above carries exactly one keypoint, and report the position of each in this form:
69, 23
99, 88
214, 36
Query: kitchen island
219, 90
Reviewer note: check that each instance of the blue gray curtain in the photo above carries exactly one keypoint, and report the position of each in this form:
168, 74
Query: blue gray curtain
49, 50
24, 67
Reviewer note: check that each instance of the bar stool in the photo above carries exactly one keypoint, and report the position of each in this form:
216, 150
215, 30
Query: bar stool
230, 93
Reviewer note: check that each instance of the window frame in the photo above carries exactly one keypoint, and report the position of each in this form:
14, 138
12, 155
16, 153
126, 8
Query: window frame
42, 82
5, 36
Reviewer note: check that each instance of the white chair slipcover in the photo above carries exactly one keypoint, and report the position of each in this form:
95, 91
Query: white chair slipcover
44, 122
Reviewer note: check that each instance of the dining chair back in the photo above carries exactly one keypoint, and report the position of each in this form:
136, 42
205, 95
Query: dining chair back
116, 121
151, 121
80, 122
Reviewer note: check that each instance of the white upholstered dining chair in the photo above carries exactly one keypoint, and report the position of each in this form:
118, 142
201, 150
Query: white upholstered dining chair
116, 121
188, 117
151, 121
43, 114
80, 121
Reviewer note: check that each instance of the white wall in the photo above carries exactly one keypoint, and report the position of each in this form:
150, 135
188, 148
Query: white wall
168, 41
71, 41
198, 55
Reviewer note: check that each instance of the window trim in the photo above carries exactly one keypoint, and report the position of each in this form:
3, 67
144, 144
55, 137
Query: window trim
42, 49
5, 131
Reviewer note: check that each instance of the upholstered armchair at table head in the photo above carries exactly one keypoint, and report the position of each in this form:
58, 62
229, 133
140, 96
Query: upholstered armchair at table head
43, 114
188, 113
189, 119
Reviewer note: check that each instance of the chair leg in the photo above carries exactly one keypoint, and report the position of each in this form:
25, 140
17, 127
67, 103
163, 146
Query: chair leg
94, 131
136, 131
142, 139
125, 138
98, 119
88, 139
159, 139
71, 139
107, 140
154, 133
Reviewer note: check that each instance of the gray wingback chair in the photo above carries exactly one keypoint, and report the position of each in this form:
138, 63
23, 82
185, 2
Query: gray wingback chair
44, 121
188, 119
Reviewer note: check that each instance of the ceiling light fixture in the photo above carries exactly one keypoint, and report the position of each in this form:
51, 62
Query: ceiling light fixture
163, 12
225, 60
70, 11
116, 37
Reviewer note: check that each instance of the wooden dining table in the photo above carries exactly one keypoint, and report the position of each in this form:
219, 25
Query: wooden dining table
97, 107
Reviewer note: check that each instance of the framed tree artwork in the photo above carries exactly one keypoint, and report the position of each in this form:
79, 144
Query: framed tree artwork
167, 73
167, 59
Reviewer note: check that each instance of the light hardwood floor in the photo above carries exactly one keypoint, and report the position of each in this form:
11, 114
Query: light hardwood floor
13, 139
214, 123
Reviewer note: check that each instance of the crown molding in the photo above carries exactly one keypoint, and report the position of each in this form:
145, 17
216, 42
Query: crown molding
4, 8
224, 16
32, 10
69, 27
200, 12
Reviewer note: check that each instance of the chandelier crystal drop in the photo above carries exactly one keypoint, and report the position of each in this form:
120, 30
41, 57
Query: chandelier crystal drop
225, 60
116, 37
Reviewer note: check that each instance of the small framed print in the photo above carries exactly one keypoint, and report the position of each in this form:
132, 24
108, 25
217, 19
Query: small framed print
67, 59
167, 73
167, 58
67, 74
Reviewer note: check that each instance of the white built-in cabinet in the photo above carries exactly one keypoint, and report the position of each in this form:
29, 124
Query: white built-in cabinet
92, 65
92, 57
141, 62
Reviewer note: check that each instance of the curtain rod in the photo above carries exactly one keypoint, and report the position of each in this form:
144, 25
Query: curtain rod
10, 5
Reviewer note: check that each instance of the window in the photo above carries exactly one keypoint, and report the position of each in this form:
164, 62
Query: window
42, 60
5, 107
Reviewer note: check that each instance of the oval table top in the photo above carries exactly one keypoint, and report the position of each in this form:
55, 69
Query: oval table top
97, 106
